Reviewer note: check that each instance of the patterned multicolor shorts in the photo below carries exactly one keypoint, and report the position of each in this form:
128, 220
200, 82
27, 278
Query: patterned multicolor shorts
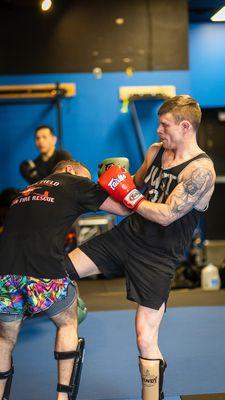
28, 295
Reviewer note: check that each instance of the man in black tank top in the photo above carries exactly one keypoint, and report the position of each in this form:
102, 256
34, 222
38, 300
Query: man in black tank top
177, 179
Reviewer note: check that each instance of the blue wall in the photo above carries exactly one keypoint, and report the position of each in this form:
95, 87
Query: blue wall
207, 63
94, 127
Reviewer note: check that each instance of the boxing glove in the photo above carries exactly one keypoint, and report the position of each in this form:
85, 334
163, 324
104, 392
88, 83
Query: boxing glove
29, 171
108, 162
119, 184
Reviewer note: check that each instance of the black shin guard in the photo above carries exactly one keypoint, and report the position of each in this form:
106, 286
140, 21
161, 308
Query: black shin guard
78, 355
162, 368
7, 375
152, 373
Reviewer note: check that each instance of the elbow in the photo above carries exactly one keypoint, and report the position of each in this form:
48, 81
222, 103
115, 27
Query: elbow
166, 220
167, 217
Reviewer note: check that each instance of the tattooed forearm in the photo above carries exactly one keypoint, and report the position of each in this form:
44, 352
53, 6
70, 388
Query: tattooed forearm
194, 190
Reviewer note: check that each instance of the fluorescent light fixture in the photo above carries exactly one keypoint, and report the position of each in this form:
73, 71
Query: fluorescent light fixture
219, 16
221, 116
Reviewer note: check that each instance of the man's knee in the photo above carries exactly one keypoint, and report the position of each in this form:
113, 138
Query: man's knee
146, 340
148, 322
9, 332
66, 318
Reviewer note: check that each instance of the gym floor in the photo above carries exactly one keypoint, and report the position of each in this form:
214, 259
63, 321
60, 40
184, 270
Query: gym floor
191, 337
110, 294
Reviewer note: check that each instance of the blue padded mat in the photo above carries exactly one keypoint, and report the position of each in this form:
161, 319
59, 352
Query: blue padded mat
191, 339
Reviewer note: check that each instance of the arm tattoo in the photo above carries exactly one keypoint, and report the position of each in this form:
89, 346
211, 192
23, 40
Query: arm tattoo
191, 191
196, 181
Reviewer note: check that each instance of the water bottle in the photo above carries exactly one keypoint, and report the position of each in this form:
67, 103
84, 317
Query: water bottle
210, 278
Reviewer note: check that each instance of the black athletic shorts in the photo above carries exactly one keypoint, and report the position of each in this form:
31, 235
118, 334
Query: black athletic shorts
114, 252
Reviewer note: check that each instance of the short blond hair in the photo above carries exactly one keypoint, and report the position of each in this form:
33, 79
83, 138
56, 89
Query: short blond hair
183, 107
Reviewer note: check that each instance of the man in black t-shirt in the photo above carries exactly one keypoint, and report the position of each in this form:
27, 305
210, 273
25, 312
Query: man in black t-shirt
45, 140
33, 275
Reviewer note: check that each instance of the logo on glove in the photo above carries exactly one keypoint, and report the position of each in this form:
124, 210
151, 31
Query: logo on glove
134, 194
116, 181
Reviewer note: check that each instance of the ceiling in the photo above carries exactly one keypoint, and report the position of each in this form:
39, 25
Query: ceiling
199, 10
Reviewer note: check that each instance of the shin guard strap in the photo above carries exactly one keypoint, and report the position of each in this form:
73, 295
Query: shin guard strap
64, 388
65, 355
5, 375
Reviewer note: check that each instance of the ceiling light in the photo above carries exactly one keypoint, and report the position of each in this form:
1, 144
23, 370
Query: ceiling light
219, 16
107, 60
119, 21
46, 5
127, 60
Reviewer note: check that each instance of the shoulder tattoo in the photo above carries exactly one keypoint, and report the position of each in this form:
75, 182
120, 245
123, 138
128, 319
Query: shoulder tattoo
200, 179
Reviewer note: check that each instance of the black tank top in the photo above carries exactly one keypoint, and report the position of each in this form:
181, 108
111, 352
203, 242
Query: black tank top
163, 245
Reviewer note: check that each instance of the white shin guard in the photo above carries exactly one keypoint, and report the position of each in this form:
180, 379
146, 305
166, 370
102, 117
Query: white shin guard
152, 371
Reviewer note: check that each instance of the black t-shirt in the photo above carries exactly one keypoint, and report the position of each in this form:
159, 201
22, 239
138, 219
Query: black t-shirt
44, 168
163, 245
38, 221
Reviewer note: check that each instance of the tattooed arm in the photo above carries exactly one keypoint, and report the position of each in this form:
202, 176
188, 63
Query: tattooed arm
194, 190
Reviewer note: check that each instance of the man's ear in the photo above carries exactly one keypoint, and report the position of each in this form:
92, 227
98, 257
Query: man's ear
70, 169
186, 125
55, 140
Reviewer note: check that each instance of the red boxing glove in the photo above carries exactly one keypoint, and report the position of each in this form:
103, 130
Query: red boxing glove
119, 184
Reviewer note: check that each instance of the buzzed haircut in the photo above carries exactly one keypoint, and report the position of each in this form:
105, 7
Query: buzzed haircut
64, 163
183, 107
44, 127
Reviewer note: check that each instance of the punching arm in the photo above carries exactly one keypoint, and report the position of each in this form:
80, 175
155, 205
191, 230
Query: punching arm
114, 207
194, 191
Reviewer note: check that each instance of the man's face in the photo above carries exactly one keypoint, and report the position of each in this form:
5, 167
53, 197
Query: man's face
170, 132
45, 141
